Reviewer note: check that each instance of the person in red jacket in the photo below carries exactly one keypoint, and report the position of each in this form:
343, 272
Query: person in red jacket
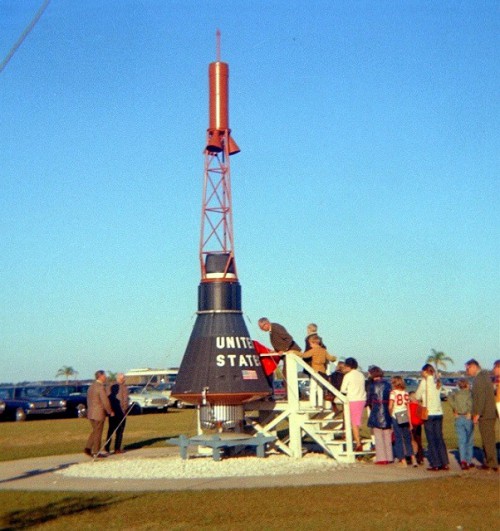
416, 429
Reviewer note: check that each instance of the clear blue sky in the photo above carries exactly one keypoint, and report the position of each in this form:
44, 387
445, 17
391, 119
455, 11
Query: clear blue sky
365, 196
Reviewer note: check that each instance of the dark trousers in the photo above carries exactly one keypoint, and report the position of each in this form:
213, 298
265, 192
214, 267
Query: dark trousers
416, 433
436, 447
118, 429
487, 431
95, 437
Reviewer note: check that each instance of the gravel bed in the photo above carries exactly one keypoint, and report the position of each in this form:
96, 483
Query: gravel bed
201, 467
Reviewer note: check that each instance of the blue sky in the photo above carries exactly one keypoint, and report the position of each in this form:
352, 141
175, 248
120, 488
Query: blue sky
365, 196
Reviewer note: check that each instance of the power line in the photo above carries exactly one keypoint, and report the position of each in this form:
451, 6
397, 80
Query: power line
24, 34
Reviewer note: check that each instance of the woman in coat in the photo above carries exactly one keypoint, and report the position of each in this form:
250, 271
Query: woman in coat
379, 419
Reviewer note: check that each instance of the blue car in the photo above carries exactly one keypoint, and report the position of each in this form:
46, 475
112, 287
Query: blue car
24, 402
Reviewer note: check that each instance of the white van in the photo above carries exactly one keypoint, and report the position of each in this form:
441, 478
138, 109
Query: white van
151, 377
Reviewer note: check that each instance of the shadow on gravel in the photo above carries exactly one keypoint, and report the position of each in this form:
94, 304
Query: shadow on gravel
51, 511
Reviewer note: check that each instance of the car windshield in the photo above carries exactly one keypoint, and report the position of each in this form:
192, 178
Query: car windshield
166, 386
32, 392
6, 393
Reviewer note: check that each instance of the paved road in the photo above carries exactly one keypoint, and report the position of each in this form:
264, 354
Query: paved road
40, 474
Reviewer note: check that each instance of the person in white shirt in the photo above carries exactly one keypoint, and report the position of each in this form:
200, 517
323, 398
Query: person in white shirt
428, 392
353, 386
399, 401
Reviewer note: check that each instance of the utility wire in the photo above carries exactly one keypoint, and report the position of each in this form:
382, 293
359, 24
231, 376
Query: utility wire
24, 34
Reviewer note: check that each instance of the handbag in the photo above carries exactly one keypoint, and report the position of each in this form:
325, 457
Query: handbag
422, 412
402, 417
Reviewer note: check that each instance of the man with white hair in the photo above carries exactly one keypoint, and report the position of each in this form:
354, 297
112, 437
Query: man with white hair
118, 398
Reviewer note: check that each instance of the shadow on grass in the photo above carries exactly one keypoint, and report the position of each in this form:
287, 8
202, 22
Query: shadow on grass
52, 511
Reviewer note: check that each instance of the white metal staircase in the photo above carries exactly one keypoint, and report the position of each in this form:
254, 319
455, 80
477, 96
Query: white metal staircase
299, 423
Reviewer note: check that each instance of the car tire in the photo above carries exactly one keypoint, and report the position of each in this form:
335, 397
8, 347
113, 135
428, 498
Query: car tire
81, 411
179, 405
20, 415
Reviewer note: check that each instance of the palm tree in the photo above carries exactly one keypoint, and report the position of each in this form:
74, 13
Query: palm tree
66, 371
439, 359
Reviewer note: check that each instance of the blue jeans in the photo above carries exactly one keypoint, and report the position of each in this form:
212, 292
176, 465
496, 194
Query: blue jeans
402, 440
465, 434
436, 447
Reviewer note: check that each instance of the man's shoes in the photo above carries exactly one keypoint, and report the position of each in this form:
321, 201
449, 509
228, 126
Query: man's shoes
119, 452
87, 451
99, 456
484, 467
464, 465
433, 469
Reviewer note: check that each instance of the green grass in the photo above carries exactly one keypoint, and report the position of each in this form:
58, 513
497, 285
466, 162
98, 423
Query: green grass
448, 503
35, 438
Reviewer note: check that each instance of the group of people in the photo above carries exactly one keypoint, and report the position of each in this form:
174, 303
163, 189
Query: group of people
396, 416
106, 401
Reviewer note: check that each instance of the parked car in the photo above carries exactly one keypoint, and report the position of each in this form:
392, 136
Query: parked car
279, 389
304, 388
448, 385
165, 389
143, 399
75, 396
24, 402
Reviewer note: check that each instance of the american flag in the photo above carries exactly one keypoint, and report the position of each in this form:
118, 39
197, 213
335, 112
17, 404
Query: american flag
249, 375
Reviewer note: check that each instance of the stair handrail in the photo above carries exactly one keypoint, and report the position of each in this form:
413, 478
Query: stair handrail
291, 360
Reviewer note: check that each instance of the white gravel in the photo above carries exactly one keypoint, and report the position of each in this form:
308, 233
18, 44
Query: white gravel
201, 467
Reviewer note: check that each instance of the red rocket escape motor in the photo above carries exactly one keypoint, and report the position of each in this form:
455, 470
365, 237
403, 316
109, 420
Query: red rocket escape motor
220, 369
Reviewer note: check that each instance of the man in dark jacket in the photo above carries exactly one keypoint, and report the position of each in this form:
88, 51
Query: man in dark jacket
338, 374
281, 340
118, 398
484, 411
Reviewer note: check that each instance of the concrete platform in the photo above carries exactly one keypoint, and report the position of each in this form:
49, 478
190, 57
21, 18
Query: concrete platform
40, 474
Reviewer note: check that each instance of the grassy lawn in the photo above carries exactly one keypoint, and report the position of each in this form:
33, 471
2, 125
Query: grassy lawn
35, 438
470, 501
448, 503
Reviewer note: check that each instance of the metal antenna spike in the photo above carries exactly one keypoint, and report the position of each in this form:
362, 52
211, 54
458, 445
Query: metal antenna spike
217, 45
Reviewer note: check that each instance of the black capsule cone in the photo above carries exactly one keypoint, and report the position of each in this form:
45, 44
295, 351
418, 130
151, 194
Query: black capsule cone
220, 357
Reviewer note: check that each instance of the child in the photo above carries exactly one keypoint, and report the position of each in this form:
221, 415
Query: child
461, 404
416, 429
319, 360
398, 406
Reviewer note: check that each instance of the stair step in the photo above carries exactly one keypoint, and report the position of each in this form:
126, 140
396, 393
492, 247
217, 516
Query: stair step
320, 421
366, 452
